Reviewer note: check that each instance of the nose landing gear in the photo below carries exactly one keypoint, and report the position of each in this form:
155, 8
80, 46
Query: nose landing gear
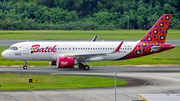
25, 65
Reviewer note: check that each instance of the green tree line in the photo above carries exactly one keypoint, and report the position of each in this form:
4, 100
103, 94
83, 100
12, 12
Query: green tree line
85, 14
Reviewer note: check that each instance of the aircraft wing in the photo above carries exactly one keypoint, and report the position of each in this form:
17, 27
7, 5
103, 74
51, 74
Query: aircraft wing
92, 56
87, 55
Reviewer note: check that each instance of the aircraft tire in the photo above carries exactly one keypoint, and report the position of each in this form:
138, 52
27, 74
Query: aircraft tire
81, 66
24, 67
86, 67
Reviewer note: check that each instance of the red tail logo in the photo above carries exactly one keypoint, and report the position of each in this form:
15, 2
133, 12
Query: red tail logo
156, 36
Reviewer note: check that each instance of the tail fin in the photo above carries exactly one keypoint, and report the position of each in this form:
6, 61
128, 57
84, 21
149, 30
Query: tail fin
157, 34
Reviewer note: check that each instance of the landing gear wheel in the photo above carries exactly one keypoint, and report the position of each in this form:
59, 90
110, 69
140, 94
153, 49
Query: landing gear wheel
81, 66
86, 67
24, 67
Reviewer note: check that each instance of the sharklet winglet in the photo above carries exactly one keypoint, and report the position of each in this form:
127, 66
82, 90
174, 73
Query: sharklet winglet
94, 39
117, 49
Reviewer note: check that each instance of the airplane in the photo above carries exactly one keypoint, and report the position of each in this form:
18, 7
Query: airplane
69, 54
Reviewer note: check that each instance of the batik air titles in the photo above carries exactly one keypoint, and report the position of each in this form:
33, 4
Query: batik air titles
68, 54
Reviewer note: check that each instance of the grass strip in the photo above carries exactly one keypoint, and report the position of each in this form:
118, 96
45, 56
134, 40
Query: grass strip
168, 57
80, 35
21, 82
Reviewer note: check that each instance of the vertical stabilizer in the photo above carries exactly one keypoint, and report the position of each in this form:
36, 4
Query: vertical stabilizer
156, 36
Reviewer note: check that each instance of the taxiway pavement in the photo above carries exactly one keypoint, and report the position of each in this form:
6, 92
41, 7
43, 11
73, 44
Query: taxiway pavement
94, 69
162, 80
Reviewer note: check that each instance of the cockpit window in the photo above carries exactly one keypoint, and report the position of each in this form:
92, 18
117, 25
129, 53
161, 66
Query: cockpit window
13, 48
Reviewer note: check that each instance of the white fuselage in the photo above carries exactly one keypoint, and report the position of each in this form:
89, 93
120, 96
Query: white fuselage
49, 51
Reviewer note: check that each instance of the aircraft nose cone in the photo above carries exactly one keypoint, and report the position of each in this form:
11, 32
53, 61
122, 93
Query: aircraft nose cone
3, 54
7, 54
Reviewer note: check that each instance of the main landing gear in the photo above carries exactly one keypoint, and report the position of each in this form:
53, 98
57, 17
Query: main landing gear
25, 65
82, 66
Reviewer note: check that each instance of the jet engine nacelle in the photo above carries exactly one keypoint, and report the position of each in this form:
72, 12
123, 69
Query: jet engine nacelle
66, 62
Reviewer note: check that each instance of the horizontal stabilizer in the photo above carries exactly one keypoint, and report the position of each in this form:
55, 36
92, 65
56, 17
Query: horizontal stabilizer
156, 48
164, 46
